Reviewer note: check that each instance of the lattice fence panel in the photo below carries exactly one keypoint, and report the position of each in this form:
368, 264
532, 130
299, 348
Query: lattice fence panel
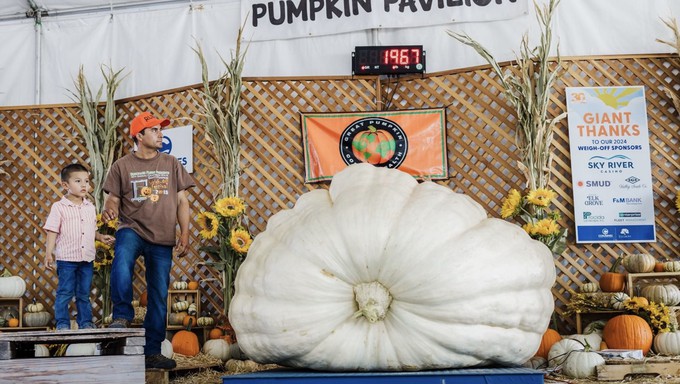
480, 142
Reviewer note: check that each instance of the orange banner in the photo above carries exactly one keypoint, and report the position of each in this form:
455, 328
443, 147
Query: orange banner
413, 141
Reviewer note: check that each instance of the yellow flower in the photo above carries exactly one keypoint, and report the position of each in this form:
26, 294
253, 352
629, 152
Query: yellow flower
240, 240
209, 223
546, 227
230, 206
100, 245
541, 197
511, 204
529, 228
99, 220
113, 224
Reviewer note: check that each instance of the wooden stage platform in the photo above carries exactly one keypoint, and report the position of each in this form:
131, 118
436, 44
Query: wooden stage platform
449, 376
119, 357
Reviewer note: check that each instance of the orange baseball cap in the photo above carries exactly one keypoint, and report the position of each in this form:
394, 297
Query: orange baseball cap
146, 120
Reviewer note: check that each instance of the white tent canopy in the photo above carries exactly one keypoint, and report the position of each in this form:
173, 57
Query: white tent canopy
44, 42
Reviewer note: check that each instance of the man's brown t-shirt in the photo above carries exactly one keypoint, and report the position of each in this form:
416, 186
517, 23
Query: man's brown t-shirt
147, 189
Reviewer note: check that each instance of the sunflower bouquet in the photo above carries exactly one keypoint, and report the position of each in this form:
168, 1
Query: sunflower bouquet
102, 264
657, 315
540, 222
226, 226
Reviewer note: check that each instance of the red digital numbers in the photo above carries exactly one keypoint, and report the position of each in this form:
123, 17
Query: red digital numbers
403, 56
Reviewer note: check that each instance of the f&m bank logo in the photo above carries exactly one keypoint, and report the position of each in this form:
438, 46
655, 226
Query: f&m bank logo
167, 145
613, 164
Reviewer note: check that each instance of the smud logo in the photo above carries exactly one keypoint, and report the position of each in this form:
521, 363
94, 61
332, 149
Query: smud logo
374, 140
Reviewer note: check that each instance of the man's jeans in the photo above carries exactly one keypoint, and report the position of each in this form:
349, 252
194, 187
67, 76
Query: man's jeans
75, 279
158, 261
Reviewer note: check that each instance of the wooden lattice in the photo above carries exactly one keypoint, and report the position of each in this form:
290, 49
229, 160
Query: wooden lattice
482, 156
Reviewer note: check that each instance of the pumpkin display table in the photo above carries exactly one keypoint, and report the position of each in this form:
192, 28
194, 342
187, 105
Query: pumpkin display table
448, 376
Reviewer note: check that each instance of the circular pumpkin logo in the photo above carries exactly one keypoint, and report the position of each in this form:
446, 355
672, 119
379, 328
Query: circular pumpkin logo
146, 191
374, 140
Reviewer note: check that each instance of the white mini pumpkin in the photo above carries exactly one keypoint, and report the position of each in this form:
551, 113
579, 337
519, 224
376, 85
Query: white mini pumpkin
639, 263
593, 340
667, 294
81, 349
667, 343
671, 266
218, 348
582, 364
383, 273
618, 300
41, 350
166, 349
590, 287
560, 351
11, 286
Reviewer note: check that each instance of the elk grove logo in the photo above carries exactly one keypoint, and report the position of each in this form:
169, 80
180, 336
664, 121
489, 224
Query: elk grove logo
374, 140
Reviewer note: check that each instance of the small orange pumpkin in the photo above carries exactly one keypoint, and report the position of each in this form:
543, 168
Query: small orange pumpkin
193, 285
13, 322
215, 333
658, 267
185, 342
550, 337
612, 281
188, 320
628, 332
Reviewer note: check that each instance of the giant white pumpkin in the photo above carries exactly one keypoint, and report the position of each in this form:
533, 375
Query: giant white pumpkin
383, 273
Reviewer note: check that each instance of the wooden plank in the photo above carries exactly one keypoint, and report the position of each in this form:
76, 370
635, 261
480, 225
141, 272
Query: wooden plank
617, 372
87, 369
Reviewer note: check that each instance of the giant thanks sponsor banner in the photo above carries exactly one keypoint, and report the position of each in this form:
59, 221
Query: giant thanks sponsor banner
413, 141
288, 19
610, 164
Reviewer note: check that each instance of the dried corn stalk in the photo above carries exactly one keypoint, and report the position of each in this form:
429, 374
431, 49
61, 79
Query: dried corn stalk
101, 139
220, 113
672, 23
527, 86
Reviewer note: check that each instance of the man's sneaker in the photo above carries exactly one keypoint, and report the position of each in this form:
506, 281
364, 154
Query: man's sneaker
88, 326
159, 362
119, 323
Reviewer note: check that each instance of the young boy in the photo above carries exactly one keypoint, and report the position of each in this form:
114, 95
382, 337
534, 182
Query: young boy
71, 231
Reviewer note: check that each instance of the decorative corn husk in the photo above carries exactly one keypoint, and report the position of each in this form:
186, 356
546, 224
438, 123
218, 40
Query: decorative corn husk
101, 139
527, 86
672, 23
220, 113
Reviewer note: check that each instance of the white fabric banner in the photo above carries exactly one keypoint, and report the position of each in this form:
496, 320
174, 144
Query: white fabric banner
288, 19
610, 165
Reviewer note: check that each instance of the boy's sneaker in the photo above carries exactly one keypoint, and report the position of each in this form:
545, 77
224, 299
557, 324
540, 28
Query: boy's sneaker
63, 328
88, 326
119, 323
159, 361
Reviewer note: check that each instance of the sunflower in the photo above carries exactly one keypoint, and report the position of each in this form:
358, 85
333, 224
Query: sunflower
240, 240
511, 204
101, 245
100, 221
113, 224
230, 206
209, 223
541, 197
546, 227
529, 228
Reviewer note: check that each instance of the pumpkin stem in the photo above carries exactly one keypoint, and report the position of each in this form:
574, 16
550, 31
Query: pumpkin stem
373, 300
616, 264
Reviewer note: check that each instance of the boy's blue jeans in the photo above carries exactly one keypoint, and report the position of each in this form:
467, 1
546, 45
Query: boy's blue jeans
158, 261
75, 279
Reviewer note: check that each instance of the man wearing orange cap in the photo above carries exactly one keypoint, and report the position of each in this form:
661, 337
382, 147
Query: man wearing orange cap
146, 191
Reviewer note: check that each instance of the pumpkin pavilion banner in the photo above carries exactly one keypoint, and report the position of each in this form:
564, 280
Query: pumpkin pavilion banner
413, 141
611, 166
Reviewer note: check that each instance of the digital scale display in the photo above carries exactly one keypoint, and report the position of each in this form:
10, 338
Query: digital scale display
388, 60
